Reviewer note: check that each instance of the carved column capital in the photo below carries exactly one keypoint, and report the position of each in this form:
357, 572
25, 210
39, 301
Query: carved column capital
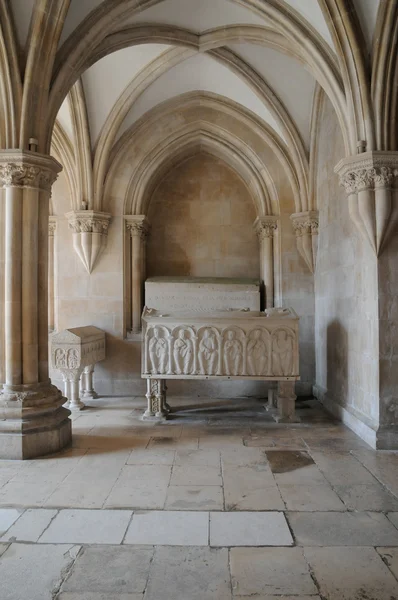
138, 226
265, 227
368, 170
90, 232
368, 179
88, 221
305, 225
305, 222
28, 169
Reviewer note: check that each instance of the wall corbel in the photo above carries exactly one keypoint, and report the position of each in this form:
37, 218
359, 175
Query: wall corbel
90, 233
305, 225
370, 182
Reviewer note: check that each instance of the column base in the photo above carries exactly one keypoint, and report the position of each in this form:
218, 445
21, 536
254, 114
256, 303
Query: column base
79, 405
157, 418
33, 421
89, 395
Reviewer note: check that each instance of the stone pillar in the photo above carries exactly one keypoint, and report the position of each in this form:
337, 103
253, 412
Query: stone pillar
265, 228
32, 419
138, 227
88, 390
52, 225
90, 234
305, 225
371, 182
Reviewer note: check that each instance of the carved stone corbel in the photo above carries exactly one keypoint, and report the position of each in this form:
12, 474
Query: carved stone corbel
370, 181
305, 225
90, 233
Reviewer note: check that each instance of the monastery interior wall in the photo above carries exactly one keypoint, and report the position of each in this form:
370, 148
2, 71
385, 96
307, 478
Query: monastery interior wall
203, 212
346, 292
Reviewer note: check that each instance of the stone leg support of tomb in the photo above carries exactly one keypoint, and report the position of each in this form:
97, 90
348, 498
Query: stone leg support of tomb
71, 379
286, 402
33, 421
139, 228
88, 390
158, 408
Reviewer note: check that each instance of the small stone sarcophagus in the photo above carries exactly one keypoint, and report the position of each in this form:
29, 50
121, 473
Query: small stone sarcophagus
235, 344
74, 353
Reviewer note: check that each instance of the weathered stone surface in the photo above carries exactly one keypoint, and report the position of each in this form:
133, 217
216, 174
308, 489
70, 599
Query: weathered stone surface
351, 574
30, 525
113, 570
342, 529
270, 571
35, 572
194, 573
190, 497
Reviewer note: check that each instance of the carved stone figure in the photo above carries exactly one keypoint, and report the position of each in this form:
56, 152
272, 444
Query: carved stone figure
208, 353
256, 354
182, 353
60, 358
73, 358
158, 352
232, 354
282, 353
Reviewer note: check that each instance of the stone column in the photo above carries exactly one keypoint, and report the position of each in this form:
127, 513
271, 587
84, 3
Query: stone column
138, 227
305, 225
52, 225
265, 228
371, 182
32, 420
88, 390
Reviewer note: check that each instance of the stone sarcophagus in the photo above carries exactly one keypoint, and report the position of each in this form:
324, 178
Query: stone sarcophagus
74, 353
236, 344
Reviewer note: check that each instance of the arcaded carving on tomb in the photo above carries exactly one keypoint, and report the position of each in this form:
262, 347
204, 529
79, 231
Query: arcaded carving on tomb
282, 352
233, 353
60, 358
158, 352
208, 352
257, 352
73, 358
183, 353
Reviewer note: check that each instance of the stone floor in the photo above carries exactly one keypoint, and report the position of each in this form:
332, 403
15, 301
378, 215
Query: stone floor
220, 503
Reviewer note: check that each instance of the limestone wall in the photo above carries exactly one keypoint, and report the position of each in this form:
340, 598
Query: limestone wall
201, 198
346, 325
202, 219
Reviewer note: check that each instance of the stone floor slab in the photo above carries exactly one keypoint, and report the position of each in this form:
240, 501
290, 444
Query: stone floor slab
34, 572
104, 596
110, 570
126, 495
87, 527
149, 456
310, 498
390, 558
168, 528
189, 574
351, 574
393, 516
249, 529
30, 525
242, 457
342, 529
8, 516
195, 475
341, 468
367, 497
256, 571
198, 458
190, 497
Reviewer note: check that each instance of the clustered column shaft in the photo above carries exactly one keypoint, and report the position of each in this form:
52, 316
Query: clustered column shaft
265, 228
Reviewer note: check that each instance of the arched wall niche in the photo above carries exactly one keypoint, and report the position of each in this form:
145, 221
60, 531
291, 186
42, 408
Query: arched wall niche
201, 214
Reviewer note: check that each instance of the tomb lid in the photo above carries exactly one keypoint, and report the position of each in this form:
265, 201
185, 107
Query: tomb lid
205, 280
77, 333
